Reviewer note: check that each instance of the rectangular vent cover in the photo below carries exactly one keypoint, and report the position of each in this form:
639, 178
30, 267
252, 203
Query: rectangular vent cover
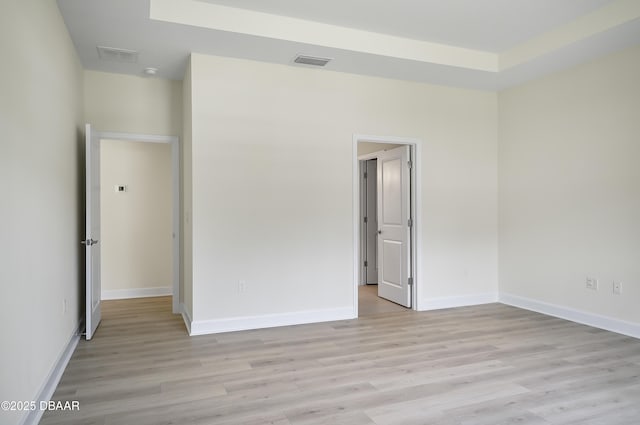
117, 55
311, 60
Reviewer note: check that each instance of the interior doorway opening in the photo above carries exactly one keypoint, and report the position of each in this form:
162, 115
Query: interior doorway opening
386, 274
136, 217
92, 241
369, 221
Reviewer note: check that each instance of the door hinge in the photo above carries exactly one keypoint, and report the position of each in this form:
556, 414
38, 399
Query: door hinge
365, 174
410, 281
366, 264
410, 164
366, 219
410, 222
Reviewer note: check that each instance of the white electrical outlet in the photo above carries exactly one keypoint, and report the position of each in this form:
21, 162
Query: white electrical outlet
242, 286
617, 287
592, 283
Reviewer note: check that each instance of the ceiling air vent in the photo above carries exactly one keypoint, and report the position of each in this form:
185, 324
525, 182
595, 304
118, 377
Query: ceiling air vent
311, 60
117, 55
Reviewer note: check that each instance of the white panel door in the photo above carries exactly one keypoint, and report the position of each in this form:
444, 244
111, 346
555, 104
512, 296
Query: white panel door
92, 238
393, 226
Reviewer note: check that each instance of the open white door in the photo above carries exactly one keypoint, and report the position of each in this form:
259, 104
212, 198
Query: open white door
394, 226
92, 238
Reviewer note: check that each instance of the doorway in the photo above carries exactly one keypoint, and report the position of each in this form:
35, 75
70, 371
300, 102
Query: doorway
369, 221
135, 218
92, 241
386, 241
172, 142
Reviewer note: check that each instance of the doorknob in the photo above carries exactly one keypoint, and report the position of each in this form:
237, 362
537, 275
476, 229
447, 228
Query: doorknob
89, 242
379, 232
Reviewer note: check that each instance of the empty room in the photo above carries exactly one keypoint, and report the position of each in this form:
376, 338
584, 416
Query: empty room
331, 212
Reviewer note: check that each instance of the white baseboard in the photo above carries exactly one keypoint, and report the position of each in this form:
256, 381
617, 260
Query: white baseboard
186, 317
203, 327
120, 294
457, 301
51, 383
578, 316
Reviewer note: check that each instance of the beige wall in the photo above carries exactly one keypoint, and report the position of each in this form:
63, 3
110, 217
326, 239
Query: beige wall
272, 163
136, 225
40, 223
130, 104
570, 187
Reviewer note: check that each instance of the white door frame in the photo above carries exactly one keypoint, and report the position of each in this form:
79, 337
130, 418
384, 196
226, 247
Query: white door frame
416, 210
175, 183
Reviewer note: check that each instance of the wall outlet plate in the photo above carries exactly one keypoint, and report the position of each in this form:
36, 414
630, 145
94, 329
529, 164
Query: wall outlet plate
592, 283
617, 287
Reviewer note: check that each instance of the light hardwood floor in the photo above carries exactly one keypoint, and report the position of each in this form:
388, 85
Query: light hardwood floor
483, 365
369, 303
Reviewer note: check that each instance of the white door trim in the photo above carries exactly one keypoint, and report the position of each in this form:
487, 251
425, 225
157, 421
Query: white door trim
175, 183
416, 210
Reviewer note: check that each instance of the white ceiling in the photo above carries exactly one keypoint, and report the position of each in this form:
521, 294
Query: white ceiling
491, 25
482, 44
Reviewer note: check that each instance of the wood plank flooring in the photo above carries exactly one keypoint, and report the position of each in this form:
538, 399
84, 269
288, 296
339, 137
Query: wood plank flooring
369, 303
483, 365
